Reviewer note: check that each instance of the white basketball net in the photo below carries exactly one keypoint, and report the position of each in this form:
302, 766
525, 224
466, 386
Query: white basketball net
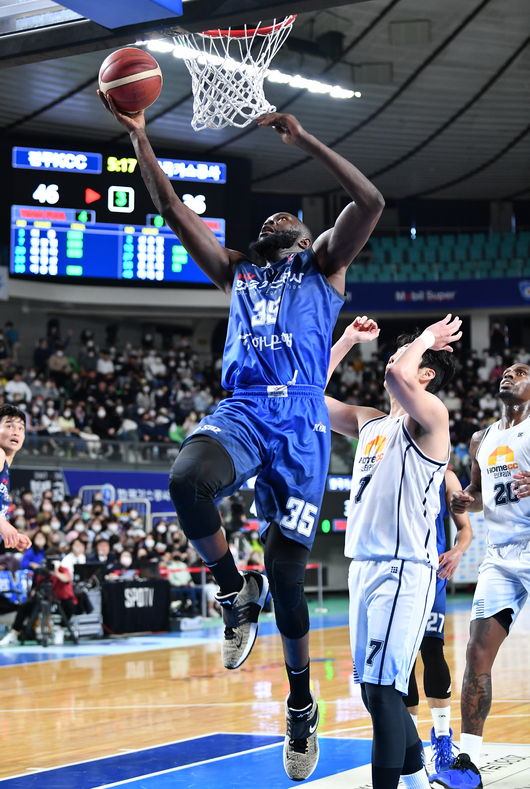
227, 71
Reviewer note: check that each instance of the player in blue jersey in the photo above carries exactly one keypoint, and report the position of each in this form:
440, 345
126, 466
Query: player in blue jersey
436, 674
12, 434
275, 426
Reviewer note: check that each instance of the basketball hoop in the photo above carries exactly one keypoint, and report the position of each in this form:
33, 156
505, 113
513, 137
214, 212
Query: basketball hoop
227, 70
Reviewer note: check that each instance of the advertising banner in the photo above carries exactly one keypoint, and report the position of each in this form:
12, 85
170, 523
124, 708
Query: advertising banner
441, 295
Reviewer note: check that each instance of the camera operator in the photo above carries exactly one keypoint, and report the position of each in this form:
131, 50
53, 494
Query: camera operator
51, 581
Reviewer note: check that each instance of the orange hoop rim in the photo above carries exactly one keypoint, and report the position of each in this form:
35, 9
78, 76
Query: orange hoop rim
247, 32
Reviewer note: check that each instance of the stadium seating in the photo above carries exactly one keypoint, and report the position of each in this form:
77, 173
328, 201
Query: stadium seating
443, 257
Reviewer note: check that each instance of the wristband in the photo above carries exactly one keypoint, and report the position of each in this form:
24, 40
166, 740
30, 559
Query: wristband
428, 338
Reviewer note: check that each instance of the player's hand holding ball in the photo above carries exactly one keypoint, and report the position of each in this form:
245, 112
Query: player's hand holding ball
130, 80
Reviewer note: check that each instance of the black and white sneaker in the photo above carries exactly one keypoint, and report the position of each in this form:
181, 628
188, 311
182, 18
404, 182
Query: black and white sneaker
300, 749
240, 615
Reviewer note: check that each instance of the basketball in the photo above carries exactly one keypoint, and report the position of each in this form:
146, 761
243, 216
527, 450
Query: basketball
132, 77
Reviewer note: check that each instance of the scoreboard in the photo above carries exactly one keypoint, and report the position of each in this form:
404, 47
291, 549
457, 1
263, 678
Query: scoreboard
86, 215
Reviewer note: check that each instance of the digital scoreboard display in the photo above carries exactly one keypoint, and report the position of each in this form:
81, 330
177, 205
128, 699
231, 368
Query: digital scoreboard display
87, 215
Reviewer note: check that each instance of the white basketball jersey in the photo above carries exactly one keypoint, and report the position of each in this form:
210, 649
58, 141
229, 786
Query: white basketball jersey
500, 454
395, 496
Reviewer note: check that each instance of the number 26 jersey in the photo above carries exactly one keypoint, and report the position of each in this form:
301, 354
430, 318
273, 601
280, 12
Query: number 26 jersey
501, 453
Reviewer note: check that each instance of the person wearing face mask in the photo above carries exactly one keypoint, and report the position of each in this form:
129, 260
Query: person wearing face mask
67, 423
149, 544
58, 365
101, 424
123, 568
102, 555
95, 528
144, 398
34, 556
76, 555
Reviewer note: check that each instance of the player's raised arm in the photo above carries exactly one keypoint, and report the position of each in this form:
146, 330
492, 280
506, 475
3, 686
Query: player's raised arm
449, 560
470, 499
361, 329
195, 235
335, 248
408, 376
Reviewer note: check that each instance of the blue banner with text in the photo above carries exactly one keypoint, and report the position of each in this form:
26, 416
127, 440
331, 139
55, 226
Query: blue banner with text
444, 295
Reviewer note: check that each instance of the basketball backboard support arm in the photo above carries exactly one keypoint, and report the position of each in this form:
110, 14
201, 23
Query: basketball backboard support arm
82, 35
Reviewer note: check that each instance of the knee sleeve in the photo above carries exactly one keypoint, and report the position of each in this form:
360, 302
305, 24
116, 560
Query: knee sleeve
285, 562
436, 674
412, 699
201, 471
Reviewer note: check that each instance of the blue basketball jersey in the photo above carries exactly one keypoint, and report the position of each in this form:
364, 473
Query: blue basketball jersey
4, 491
281, 322
441, 543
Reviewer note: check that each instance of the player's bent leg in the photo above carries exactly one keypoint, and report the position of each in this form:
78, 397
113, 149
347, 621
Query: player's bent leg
285, 562
202, 470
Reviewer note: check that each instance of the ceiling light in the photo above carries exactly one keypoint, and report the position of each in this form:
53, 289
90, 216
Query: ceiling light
295, 81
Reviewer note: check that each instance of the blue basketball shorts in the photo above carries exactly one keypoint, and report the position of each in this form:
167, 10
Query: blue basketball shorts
436, 620
280, 435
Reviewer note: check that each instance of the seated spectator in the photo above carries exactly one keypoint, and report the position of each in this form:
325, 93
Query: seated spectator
105, 365
26, 502
183, 589
102, 555
58, 366
123, 568
34, 556
16, 390
76, 555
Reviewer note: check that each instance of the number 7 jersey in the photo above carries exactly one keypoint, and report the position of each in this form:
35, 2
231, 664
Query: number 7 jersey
501, 453
395, 496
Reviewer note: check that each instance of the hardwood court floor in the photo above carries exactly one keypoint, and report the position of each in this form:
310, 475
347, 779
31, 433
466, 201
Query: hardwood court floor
62, 711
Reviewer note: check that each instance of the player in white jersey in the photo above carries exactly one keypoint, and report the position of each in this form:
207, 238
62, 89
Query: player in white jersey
500, 486
391, 535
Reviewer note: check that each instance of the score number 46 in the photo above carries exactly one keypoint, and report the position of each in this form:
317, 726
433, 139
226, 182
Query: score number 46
46, 193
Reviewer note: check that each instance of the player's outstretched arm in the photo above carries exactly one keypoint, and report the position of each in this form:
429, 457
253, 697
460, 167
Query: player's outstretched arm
449, 560
348, 419
195, 235
361, 329
470, 499
423, 407
335, 248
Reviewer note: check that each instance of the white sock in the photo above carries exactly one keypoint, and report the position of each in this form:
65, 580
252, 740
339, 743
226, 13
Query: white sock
414, 719
471, 744
441, 717
419, 780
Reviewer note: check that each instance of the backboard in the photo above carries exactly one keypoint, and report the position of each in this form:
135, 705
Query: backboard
34, 30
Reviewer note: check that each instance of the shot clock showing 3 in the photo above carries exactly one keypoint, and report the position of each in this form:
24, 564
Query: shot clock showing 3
86, 214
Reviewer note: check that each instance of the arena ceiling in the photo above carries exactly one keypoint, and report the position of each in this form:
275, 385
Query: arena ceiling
444, 110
